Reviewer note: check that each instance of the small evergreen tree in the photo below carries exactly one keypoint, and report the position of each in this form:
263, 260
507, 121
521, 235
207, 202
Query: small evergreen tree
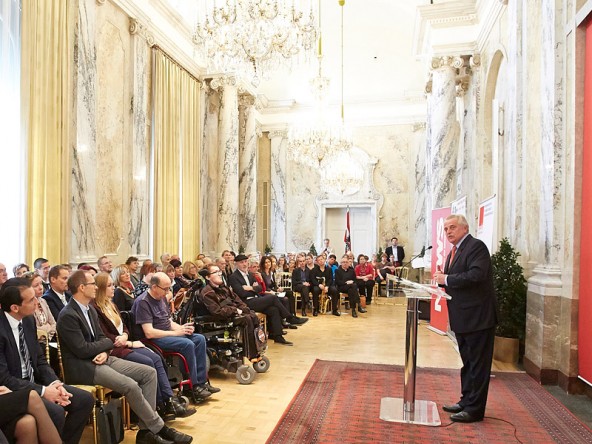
379, 254
510, 290
267, 249
241, 249
313, 250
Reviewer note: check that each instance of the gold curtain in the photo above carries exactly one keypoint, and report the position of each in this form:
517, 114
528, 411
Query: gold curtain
176, 158
46, 91
191, 170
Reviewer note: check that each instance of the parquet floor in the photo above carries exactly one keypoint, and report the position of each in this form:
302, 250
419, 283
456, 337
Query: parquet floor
248, 413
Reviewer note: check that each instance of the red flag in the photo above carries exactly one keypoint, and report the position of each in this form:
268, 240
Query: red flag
347, 236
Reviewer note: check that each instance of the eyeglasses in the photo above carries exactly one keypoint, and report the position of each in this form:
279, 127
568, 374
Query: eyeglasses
90, 283
163, 288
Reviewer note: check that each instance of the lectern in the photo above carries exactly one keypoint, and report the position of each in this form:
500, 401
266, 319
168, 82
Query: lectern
408, 409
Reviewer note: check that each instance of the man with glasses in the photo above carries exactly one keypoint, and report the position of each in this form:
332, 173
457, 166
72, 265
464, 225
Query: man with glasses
151, 312
86, 349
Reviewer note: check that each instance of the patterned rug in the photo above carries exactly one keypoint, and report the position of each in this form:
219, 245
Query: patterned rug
339, 402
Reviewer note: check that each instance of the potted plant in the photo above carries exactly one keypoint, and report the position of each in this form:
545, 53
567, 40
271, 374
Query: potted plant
267, 249
313, 250
510, 290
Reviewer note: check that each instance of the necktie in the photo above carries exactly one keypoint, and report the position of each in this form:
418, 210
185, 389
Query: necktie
452, 254
25, 353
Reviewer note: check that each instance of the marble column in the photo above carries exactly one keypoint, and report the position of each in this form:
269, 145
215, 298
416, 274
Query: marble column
228, 183
278, 190
247, 166
443, 132
209, 167
83, 217
419, 232
139, 202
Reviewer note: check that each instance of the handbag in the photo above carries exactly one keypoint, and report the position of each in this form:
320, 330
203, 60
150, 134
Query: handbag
260, 338
110, 422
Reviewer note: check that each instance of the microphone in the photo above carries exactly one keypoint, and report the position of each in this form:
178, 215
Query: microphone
423, 251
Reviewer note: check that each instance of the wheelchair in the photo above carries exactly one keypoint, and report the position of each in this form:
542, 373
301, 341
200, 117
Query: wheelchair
225, 341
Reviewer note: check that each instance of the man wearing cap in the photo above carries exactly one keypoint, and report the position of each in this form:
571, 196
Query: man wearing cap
246, 287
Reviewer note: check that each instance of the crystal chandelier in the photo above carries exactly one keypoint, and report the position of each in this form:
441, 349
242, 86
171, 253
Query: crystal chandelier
320, 139
342, 173
253, 37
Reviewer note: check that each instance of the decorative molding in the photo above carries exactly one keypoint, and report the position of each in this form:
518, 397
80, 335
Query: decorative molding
277, 134
245, 100
418, 126
136, 28
101, 2
258, 131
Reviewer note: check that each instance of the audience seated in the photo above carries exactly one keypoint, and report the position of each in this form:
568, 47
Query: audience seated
133, 266
180, 284
345, 281
322, 271
124, 289
18, 270
105, 265
365, 274
85, 350
57, 296
24, 365
151, 312
245, 286
221, 301
3, 274
113, 327
44, 320
42, 267
304, 283
24, 418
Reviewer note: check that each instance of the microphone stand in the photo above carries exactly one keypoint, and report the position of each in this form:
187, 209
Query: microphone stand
400, 273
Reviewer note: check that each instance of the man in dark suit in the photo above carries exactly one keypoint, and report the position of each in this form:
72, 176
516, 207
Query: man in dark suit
396, 251
57, 295
86, 351
305, 283
245, 286
468, 279
23, 365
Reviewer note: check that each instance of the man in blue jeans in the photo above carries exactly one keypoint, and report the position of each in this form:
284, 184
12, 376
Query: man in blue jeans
152, 313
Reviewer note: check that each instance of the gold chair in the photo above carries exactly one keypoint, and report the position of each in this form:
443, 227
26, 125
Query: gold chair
99, 393
262, 321
43, 337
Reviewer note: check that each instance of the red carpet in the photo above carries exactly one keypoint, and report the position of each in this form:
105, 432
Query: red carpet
339, 402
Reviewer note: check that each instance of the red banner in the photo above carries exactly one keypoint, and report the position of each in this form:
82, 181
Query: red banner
347, 235
585, 301
441, 247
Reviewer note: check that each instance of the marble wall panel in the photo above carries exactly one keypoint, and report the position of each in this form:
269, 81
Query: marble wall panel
248, 177
209, 173
393, 147
139, 205
278, 190
83, 217
228, 201
110, 167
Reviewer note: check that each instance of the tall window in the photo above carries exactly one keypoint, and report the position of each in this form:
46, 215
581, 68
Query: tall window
12, 222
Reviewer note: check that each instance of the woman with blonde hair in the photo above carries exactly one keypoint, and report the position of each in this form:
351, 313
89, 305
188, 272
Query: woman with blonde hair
124, 289
114, 328
43, 317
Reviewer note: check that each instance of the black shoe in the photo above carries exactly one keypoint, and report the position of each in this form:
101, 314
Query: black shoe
292, 327
454, 408
465, 417
336, 313
280, 340
174, 435
315, 312
211, 388
166, 411
303, 313
201, 392
362, 309
368, 302
181, 409
145, 436
297, 321
354, 314
284, 332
